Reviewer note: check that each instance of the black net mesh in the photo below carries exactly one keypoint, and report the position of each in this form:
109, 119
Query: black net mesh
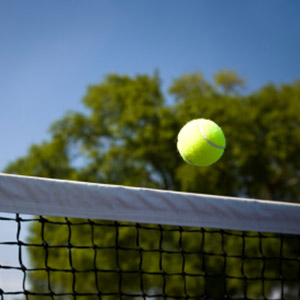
63, 258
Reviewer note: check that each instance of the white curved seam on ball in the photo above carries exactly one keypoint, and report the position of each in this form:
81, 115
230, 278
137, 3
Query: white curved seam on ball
211, 143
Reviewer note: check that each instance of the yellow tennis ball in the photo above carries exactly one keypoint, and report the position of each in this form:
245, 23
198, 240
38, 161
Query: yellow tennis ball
201, 142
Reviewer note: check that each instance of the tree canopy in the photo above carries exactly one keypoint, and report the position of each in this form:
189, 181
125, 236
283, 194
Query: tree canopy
128, 137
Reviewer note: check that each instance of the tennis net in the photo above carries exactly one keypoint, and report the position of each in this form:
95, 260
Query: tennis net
73, 240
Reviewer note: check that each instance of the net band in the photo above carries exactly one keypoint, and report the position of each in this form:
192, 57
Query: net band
22, 194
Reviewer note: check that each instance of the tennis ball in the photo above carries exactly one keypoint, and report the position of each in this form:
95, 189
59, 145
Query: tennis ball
201, 142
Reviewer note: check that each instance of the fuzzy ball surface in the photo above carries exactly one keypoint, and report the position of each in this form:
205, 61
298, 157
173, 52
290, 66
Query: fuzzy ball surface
201, 142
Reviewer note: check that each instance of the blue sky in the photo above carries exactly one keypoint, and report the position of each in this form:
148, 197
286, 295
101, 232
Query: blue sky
50, 51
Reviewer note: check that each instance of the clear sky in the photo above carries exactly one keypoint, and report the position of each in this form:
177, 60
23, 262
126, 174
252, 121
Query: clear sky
51, 50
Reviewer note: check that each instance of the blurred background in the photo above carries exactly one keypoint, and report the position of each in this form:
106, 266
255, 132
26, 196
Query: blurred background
51, 51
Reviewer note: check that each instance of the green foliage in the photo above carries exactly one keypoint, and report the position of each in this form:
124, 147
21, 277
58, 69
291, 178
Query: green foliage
129, 137
229, 80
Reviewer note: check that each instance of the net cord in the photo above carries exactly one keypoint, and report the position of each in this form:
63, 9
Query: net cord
53, 197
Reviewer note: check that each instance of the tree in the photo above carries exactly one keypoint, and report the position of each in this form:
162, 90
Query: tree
129, 137
229, 80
